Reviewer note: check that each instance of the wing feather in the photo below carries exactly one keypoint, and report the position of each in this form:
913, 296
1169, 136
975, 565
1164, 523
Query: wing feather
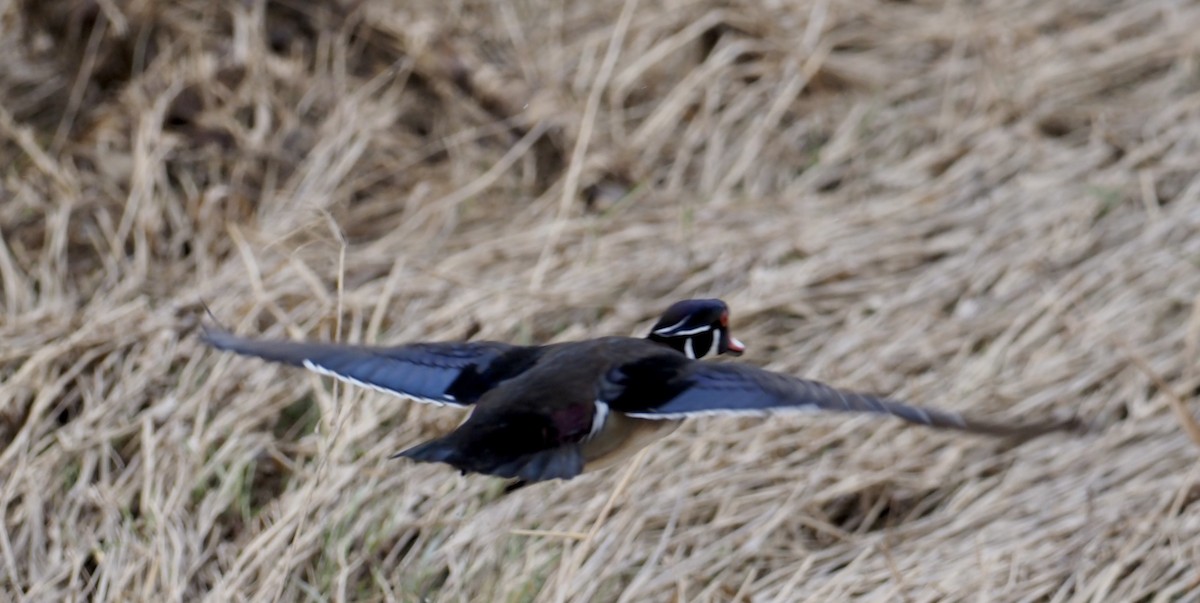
452, 373
671, 388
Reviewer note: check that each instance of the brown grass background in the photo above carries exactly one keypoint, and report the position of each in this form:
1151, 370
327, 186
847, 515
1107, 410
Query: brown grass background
990, 206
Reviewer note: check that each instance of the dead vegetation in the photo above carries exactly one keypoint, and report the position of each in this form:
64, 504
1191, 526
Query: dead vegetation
987, 206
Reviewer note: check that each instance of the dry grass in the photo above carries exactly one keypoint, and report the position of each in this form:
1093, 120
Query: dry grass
988, 206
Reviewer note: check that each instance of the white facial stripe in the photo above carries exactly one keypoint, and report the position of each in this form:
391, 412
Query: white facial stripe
687, 349
714, 349
598, 419
665, 330
316, 368
699, 329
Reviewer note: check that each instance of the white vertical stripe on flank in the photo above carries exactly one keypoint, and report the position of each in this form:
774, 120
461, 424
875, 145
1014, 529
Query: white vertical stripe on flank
598, 419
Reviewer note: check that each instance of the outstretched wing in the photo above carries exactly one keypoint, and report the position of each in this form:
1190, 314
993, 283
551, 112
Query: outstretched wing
454, 373
670, 387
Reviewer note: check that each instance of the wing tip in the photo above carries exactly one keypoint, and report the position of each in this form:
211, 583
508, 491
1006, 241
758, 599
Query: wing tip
216, 336
286, 352
1076, 425
212, 332
1072, 425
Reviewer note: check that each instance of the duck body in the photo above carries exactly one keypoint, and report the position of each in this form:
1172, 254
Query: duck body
549, 420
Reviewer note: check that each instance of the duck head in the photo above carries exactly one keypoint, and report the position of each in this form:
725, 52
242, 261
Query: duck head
697, 328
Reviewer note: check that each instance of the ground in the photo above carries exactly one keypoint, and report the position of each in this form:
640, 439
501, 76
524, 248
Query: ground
990, 206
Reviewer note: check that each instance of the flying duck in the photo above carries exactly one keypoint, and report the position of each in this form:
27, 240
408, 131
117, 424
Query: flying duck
554, 411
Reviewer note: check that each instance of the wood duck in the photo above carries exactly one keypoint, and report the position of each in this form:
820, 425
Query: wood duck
554, 411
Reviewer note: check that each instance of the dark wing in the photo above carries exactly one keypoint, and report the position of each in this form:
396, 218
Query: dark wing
455, 373
669, 387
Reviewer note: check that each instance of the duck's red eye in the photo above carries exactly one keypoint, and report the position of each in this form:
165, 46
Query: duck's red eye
725, 319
